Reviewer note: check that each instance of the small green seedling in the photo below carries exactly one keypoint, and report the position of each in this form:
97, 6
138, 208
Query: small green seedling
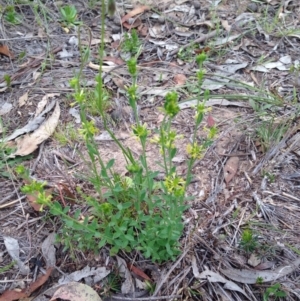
7, 267
259, 280
274, 291
12, 16
131, 42
186, 54
69, 15
7, 79
270, 176
248, 241
111, 7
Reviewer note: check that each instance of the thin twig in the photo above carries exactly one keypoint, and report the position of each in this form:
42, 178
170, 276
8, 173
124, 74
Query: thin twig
159, 286
199, 40
37, 159
146, 298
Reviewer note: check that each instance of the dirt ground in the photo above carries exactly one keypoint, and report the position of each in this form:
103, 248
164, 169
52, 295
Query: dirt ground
248, 178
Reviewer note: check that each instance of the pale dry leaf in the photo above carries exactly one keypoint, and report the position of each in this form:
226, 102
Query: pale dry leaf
36, 75
250, 276
32, 124
254, 260
42, 104
211, 276
75, 113
134, 12
222, 41
13, 249
179, 79
48, 250
213, 102
75, 291
30, 142
23, 99
99, 274
104, 68
127, 285
226, 25
5, 108
231, 168
155, 91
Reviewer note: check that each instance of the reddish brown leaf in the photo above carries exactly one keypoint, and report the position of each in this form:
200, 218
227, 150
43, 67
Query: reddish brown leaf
5, 51
138, 272
143, 30
200, 50
231, 168
210, 121
137, 22
134, 12
113, 59
12, 295
179, 79
32, 198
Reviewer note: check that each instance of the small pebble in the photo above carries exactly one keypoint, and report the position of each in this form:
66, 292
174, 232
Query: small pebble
252, 7
197, 4
130, 21
115, 29
297, 82
117, 20
161, 20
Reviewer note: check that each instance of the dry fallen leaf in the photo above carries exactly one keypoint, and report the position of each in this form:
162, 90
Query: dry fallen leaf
13, 249
134, 12
32, 125
12, 295
231, 168
30, 142
43, 103
23, 99
75, 291
49, 250
211, 276
4, 50
210, 121
250, 276
32, 198
138, 272
179, 79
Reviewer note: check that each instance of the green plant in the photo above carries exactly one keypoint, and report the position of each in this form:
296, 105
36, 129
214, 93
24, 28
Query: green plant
112, 283
137, 211
69, 15
131, 42
248, 241
7, 80
259, 280
270, 176
12, 16
187, 54
6, 162
270, 133
66, 134
274, 291
7, 267
150, 287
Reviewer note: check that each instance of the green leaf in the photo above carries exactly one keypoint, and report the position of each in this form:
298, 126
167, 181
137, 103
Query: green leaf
110, 163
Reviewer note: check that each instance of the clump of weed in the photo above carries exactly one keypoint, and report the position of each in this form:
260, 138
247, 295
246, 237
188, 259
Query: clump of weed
249, 241
274, 291
131, 42
137, 211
